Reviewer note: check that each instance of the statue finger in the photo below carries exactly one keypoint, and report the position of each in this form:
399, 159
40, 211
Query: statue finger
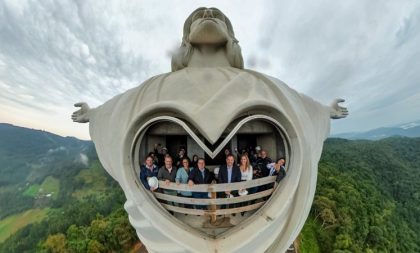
339, 100
80, 104
77, 113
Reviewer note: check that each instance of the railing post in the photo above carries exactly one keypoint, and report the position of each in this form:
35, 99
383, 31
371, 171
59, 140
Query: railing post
213, 209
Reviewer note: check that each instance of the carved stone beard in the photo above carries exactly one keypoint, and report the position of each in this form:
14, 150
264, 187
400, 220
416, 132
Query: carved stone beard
208, 31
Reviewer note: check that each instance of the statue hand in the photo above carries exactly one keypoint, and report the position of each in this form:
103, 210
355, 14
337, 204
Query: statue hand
81, 115
337, 111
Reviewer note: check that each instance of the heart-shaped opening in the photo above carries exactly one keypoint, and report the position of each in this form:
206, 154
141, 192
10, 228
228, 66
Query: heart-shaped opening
207, 206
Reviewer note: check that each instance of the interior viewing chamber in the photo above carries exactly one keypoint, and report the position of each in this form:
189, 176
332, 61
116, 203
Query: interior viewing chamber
221, 213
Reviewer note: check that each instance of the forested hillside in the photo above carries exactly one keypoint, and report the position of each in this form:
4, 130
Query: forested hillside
56, 197
28, 155
31, 163
367, 198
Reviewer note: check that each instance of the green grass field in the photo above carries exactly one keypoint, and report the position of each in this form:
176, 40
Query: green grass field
94, 181
49, 185
32, 191
13, 223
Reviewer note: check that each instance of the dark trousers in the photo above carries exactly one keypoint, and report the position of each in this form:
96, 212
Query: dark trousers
252, 191
200, 195
235, 194
186, 205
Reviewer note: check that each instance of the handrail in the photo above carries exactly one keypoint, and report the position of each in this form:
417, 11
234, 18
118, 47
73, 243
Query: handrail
213, 212
219, 201
218, 187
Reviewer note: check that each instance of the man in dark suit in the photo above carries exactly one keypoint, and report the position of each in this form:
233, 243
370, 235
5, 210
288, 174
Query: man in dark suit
201, 175
229, 173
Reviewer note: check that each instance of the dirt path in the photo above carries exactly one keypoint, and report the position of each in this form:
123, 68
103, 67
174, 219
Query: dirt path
296, 243
139, 248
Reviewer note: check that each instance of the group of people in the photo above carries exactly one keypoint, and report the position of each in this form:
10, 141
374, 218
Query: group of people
182, 170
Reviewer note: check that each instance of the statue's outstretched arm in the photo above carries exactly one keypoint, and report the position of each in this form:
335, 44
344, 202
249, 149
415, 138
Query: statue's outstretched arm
337, 111
81, 115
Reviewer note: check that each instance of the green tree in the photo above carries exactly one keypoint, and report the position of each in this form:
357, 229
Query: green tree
95, 247
56, 243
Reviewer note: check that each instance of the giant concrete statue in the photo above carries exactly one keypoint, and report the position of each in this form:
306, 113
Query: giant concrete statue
207, 89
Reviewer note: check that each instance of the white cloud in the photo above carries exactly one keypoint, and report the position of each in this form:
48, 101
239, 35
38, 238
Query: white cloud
53, 54
55, 150
83, 159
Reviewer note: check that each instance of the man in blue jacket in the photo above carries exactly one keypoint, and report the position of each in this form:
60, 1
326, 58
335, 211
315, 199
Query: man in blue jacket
147, 170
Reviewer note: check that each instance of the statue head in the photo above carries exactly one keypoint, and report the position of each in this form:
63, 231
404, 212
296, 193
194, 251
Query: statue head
207, 27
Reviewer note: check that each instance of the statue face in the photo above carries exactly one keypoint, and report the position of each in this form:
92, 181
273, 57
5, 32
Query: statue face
208, 27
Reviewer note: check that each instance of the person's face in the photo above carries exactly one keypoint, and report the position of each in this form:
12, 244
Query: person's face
181, 152
186, 164
168, 162
201, 164
164, 151
243, 160
279, 163
229, 161
149, 161
195, 158
263, 154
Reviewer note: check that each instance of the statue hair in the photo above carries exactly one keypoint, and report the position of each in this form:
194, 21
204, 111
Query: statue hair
182, 57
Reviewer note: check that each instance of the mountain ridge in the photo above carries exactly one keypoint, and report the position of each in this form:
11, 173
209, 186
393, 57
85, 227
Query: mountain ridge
410, 129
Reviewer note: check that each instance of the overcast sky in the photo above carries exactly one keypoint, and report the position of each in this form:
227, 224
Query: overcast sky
56, 53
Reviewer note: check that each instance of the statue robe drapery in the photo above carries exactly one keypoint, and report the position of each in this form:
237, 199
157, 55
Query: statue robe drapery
210, 99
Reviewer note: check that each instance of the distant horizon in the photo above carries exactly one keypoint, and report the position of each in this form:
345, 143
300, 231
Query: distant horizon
331, 134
